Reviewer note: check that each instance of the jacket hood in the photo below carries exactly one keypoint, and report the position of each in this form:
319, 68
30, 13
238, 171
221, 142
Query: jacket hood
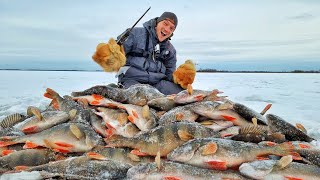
151, 28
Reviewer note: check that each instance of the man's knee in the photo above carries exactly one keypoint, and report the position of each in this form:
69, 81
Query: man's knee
168, 87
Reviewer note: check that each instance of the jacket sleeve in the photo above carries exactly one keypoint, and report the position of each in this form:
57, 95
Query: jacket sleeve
171, 64
127, 45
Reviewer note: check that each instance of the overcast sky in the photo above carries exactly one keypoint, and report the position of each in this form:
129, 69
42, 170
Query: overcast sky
208, 30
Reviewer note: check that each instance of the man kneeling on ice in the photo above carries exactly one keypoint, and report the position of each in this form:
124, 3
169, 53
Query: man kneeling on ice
147, 57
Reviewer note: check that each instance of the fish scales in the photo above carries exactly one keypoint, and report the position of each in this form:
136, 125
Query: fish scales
277, 124
83, 168
249, 113
175, 170
28, 157
269, 169
224, 153
163, 138
106, 91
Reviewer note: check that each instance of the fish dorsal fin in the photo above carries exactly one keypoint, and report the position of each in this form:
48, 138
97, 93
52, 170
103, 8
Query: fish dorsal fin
209, 148
96, 156
189, 89
146, 112
301, 128
76, 131
72, 114
158, 160
252, 130
133, 157
33, 111
184, 135
284, 161
268, 106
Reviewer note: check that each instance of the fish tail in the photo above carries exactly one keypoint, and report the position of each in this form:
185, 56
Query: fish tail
51, 94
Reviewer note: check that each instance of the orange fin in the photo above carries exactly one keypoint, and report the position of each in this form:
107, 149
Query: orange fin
95, 102
135, 114
209, 148
171, 178
6, 143
30, 129
217, 165
138, 153
266, 109
304, 146
30, 145
95, 156
60, 150
226, 135
55, 104
260, 158
229, 118
295, 156
199, 97
179, 116
7, 151
21, 168
62, 144
292, 178
97, 97
131, 119
184, 135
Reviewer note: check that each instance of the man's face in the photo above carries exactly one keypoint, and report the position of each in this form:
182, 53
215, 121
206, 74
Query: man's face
164, 29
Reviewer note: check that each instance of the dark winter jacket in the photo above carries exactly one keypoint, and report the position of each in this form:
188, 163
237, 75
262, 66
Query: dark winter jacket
153, 67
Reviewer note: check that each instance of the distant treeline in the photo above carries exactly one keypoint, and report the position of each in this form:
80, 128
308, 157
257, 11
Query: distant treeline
199, 70
225, 71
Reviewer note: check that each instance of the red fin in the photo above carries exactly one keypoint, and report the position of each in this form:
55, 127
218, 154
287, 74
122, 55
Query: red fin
270, 143
217, 165
179, 116
94, 102
292, 178
55, 104
7, 151
199, 97
6, 143
260, 158
109, 132
229, 118
226, 135
97, 97
171, 178
64, 151
138, 153
30, 145
30, 129
20, 168
135, 114
47, 95
304, 146
62, 144
295, 156
94, 155
131, 119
